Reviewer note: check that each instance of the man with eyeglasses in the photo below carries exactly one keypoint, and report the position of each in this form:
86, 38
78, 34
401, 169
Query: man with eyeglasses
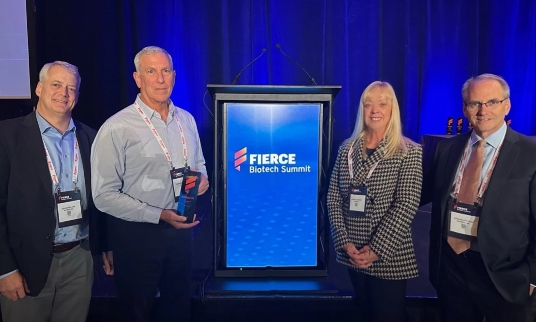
483, 225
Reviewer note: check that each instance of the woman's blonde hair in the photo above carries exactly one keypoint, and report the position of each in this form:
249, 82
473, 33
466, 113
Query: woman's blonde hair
393, 134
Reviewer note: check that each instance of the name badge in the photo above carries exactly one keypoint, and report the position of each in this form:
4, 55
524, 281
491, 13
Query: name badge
358, 200
463, 220
69, 206
177, 175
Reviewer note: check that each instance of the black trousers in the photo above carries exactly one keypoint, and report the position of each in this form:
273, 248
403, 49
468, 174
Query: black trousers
466, 292
150, 258
378, 299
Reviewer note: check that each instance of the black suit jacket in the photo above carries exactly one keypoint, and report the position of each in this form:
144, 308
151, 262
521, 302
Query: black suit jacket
506, 231
27, 218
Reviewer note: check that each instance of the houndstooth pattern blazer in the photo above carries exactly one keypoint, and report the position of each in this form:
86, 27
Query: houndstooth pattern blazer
393, 193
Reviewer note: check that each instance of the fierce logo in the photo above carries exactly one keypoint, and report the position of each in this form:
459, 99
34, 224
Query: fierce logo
64, 198
456, 207
262, 159
189, 184
240, 157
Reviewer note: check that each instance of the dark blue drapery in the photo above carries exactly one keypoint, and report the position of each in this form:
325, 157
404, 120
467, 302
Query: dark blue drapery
425, 49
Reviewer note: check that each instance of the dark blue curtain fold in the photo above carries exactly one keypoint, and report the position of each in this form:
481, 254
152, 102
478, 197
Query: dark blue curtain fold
426, 49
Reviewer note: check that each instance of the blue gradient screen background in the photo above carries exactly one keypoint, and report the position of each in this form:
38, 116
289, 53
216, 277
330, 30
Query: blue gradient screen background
271, 218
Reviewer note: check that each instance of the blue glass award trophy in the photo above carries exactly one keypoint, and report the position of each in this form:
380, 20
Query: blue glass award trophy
188, 196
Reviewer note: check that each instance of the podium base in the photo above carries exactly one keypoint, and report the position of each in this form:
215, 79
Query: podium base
269, 286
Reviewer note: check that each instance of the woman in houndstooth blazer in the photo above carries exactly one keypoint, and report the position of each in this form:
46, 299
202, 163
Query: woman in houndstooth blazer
373, 196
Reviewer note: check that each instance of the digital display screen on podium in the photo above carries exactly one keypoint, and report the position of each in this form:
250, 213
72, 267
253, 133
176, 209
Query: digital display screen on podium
271, 176
272, 152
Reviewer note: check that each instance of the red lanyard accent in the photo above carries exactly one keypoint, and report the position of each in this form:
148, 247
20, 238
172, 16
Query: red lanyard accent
351, 166
487, 177
159, 138
52, 171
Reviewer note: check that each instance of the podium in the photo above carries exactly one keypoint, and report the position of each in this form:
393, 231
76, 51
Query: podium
272, 147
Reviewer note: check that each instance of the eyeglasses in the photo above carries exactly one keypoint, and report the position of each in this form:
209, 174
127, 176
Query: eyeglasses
472, 106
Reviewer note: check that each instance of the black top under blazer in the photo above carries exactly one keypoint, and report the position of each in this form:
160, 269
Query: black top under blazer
392, 200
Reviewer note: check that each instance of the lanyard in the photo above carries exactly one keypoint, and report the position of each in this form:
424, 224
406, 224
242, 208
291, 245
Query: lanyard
52, 171
159, 139
351, 166
487, 176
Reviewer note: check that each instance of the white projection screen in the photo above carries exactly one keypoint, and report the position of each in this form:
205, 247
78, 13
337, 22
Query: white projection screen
14, 51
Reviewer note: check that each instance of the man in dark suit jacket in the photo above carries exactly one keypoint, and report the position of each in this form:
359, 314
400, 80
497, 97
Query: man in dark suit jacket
495, 276
46, 208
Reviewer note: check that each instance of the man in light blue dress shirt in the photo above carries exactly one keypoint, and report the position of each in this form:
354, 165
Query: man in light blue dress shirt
46, 208
133, 156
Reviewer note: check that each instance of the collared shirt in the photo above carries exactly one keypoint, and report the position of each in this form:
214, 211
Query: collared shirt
60, 147
130, 173
492, 144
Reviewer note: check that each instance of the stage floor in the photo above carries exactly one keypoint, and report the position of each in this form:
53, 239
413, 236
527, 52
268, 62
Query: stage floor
273, 309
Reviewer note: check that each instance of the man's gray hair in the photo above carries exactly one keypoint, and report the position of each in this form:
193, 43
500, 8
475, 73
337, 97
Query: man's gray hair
149, 51
43, 74
470, 81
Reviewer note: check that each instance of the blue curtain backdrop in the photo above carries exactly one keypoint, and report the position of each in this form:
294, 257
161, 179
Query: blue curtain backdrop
425, 49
